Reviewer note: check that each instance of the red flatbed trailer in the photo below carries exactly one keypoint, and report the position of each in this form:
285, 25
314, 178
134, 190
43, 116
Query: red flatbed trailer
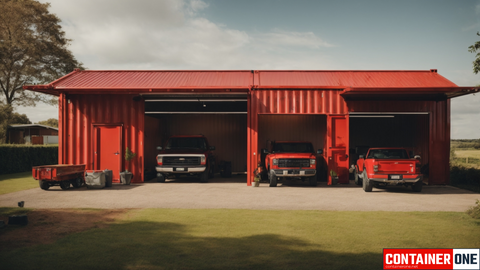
59, 175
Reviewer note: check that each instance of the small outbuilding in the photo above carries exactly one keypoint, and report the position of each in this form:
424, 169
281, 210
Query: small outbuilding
32, 133
101, 113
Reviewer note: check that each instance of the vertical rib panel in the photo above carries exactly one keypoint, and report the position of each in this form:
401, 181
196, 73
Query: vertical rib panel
85, 110
298, 102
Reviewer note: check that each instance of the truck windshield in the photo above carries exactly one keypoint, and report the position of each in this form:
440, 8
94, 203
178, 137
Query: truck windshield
186, 143
293, 148
388, 154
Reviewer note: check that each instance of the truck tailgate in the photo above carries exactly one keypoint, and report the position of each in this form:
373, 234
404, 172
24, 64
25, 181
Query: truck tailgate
396, 166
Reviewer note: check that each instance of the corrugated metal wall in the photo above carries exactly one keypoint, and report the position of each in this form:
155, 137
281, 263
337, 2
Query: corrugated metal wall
438, 132
78, 113
298, 102
227, 132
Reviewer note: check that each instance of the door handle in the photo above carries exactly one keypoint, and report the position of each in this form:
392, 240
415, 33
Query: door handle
116, 153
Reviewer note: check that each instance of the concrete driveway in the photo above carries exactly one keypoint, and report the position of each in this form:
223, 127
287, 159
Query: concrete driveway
234, 193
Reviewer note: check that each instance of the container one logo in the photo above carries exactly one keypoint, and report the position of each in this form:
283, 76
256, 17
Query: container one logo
431, 258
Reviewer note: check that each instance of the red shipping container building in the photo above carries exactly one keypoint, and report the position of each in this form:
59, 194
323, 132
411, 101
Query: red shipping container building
101, 113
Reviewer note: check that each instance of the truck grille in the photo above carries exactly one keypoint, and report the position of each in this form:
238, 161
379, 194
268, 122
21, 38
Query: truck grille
181, 161
283, 162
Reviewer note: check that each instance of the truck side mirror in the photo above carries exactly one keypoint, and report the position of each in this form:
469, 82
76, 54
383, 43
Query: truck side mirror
212, 147
319, 151
264, 151
159, 148
361, 156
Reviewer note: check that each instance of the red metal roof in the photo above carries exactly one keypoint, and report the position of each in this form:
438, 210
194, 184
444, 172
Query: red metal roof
242, 80
351, 79
140, 79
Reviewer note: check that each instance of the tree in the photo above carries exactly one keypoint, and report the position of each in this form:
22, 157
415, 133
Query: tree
473, 49
8, 117
33, 49
52, 122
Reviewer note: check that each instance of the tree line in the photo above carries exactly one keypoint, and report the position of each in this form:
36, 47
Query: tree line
33, 50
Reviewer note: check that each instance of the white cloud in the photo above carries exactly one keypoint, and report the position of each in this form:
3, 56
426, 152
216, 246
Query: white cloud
174, 34
293, 39
195, 6
171, 34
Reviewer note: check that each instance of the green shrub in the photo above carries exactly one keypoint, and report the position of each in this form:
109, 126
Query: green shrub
474, 211
468, 178
21, 158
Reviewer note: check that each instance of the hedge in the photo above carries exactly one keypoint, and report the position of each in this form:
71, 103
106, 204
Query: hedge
21, 158
463, 177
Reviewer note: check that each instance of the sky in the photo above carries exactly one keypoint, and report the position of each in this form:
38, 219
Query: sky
278, 34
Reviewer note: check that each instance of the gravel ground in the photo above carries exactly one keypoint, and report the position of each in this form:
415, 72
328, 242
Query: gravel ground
234, 193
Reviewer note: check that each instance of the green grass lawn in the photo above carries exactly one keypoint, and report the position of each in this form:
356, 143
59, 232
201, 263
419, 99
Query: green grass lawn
17, 182
248, 239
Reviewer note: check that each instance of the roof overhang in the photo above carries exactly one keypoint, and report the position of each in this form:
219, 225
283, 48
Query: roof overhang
45, 89
407, 93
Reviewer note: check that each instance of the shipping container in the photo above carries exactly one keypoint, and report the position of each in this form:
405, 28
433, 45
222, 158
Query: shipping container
244, 109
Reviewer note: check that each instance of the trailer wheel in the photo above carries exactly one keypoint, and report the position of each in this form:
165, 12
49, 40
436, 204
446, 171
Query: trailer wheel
44, 184
273, 180
367, 185
65, 185
312, 181
78, 182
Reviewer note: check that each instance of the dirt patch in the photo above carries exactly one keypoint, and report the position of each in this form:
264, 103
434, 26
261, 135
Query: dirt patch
47, 226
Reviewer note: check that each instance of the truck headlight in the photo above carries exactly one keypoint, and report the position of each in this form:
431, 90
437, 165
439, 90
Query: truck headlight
275, 161
160, 160
202, 160
375, 168
312, 161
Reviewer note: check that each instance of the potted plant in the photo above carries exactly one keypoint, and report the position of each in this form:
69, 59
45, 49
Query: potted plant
256, 180
126, 176
334, 176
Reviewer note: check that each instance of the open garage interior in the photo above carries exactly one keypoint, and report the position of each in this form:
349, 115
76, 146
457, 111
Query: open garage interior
408, 130
222, 121
282, 127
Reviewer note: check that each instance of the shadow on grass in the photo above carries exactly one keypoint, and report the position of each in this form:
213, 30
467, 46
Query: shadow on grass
162, 245
16, 176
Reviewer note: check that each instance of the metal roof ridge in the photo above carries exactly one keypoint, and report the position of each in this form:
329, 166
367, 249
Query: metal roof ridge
167, 70
345, 70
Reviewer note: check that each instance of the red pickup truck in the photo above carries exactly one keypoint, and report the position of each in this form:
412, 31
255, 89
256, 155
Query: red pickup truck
382, 167
290, 159
186, 155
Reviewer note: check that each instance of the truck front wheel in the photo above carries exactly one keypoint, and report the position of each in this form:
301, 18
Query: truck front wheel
367, 185
160, 178
204, 175
312, 181
273, 179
